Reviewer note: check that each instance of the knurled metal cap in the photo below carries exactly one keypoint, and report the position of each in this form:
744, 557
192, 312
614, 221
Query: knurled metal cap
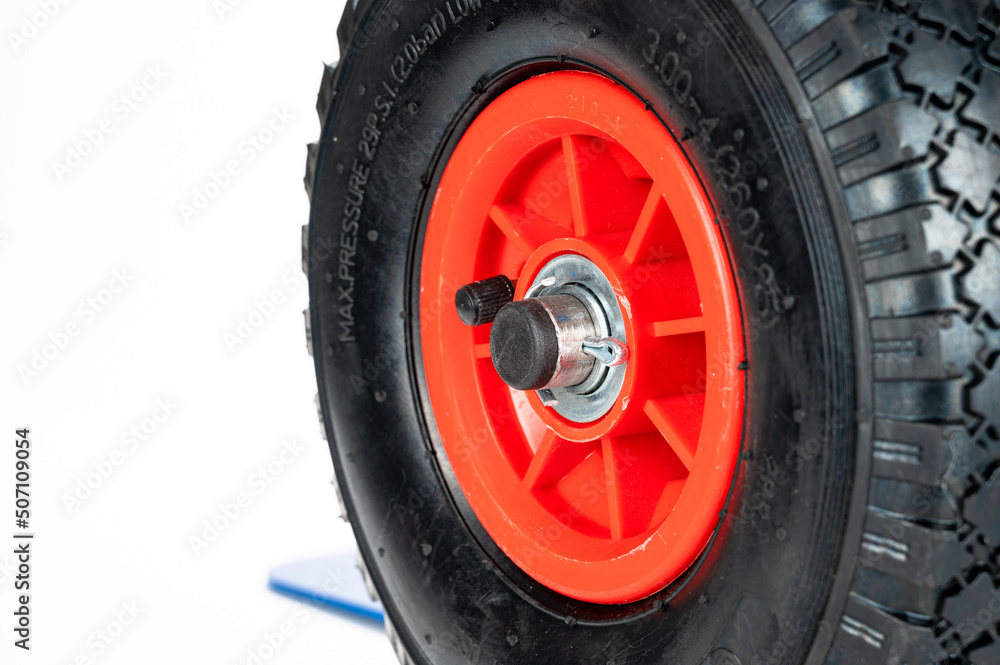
479, 302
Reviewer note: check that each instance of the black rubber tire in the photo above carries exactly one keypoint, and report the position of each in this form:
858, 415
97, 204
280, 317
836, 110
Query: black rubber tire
864, 522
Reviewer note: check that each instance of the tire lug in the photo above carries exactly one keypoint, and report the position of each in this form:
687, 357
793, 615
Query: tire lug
319, 414
312, 155
326, 92
309, 337
305, 249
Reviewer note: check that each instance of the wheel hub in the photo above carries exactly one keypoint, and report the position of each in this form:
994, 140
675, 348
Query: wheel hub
577, 339
588, 389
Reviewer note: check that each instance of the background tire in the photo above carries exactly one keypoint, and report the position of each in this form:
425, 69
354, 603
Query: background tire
862, 525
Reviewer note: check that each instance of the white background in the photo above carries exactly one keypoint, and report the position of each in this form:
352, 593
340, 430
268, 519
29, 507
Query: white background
163, 336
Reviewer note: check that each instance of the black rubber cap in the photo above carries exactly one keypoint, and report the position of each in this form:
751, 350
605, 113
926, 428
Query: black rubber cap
524, 345
479, 302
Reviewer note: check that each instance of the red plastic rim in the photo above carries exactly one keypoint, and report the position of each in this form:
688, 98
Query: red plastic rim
613, 510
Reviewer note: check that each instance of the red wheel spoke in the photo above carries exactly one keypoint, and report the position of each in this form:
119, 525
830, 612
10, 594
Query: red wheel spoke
528, 230
679, 326
638, 244
616, 504
638, 474
678, 419
555, 458
591, 172
571, 152
656, 235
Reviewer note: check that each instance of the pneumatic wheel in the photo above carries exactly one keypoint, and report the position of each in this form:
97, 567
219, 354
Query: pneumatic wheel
665, 332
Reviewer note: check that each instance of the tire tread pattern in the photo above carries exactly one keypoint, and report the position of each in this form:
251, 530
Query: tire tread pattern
907, 94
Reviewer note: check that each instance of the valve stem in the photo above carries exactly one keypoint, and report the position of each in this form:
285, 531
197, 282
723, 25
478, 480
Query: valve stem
479, 302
